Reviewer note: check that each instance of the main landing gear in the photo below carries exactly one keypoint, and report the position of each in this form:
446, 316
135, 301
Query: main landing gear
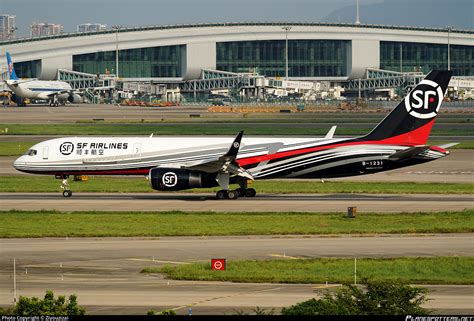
65, 186
243, 191
235, 194
54, 102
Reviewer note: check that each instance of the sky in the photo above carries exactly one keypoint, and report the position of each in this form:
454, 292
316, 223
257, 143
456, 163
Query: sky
159, 12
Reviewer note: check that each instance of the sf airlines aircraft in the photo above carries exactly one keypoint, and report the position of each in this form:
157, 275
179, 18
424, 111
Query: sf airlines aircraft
56, 92
179, 163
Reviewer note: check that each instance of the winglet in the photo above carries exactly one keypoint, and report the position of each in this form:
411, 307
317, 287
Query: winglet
330, 133
234, 148
11, 69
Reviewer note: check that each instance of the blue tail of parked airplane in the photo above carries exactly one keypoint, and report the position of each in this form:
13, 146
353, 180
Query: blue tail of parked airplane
11, 69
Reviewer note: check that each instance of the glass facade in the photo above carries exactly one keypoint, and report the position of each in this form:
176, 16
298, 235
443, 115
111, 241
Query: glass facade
425, 57
306, 58
159, 62
28, 69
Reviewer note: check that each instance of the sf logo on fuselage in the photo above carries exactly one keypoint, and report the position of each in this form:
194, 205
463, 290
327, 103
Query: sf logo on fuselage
169, 179
425, 100
66, 148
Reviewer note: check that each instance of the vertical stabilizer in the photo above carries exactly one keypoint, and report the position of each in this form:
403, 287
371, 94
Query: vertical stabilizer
11, 69
410, 122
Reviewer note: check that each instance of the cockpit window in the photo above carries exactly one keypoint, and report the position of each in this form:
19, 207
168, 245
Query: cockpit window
31, 152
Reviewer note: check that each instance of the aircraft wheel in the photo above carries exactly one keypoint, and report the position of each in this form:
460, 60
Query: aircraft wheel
233, 195
250, 192
67, 193
241, 192
221, 195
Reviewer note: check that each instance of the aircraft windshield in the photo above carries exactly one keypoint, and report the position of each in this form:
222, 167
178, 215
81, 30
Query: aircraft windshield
31, 152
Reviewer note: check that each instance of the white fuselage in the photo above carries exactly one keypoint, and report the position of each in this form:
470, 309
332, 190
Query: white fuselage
263, 156
39, 89
108, 154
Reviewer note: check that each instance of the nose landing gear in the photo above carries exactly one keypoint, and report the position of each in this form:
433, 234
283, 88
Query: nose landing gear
65, 186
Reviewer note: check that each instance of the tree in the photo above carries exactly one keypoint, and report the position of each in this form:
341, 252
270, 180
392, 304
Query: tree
164, 312
378, 298
48, 306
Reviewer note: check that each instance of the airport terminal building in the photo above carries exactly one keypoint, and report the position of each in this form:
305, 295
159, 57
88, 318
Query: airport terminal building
193, 56
316, 51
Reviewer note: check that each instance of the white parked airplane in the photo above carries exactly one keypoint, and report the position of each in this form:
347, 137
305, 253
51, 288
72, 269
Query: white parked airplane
56, 92
178, 163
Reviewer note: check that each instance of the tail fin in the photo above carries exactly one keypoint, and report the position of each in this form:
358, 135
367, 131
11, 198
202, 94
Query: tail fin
11, 69
411, 121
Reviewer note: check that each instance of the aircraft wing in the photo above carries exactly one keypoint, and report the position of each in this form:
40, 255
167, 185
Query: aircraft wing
54, 93
224, 164
17, 82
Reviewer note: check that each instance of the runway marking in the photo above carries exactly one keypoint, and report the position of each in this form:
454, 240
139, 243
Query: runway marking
224, 297
56, 265
69, 280
157, 261
285, 256
327, 286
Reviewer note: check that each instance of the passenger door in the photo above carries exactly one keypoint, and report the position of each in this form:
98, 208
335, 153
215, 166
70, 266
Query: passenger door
45, 152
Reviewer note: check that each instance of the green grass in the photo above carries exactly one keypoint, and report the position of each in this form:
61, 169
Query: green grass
124, 224
192, 129
22, 183
15, 148
416, 270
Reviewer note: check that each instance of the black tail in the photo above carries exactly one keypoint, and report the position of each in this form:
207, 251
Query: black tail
411, 121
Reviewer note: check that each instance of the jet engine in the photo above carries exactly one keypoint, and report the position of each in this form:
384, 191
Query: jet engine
74, 99
176, 179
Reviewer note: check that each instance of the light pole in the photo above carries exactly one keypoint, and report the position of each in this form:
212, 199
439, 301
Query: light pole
357, 14
286, 28
401, 57
449, 49
14, 281
116, 28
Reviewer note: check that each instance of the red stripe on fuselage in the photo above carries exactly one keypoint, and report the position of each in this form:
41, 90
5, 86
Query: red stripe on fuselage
413, 138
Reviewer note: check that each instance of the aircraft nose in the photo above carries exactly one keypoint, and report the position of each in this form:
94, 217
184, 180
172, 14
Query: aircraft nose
19, 162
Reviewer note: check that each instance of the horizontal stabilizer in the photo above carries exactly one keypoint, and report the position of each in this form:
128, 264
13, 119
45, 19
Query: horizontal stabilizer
449, 145
409, 152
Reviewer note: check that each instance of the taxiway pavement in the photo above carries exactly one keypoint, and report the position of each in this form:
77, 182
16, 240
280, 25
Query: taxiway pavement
381, 203
104, 272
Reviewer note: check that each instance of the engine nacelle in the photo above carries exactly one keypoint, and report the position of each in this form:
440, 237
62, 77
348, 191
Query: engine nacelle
74, 99
176, 179
15, 98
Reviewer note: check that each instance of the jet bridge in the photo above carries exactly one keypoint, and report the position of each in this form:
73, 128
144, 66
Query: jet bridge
216, 79
77, 80
383, 79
